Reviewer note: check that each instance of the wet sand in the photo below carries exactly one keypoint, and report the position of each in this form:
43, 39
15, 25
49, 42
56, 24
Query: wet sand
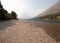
17, 31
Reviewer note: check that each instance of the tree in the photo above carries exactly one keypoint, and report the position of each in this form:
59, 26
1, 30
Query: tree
14, 15
4, 15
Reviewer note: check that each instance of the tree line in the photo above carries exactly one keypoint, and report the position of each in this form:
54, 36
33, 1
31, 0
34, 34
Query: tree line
54, 16
4, 15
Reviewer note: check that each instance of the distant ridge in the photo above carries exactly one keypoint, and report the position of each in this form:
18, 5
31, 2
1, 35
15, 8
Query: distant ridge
54, 9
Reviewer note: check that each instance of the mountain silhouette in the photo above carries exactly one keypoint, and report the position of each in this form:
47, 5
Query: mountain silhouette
52, 10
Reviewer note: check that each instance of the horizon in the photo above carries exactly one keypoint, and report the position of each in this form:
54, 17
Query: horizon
26, 9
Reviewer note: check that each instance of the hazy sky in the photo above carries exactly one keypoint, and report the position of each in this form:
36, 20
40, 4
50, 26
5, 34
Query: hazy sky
27, 8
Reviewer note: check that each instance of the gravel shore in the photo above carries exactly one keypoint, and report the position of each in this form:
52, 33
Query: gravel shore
17, 31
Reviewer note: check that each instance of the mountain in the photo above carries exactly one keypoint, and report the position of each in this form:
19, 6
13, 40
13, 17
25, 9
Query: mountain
52, 10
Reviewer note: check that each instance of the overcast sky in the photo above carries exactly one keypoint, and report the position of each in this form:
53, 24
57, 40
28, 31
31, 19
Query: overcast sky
27, 8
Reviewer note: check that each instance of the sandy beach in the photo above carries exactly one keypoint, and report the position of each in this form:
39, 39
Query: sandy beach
17, 31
